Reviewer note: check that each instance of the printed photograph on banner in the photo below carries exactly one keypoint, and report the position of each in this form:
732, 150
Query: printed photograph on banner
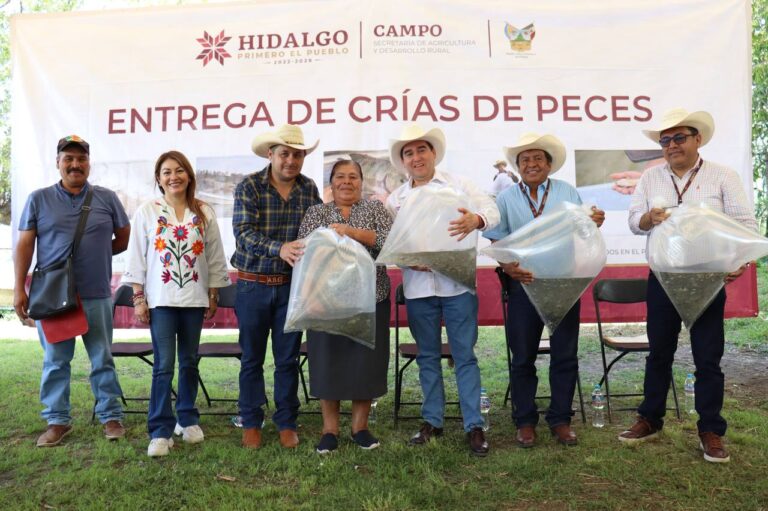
380, 178
608, 178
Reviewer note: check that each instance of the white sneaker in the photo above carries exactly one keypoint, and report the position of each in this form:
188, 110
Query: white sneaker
193, 434
159, 447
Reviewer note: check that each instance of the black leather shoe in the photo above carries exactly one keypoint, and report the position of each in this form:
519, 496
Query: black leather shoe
477, 444
425, 434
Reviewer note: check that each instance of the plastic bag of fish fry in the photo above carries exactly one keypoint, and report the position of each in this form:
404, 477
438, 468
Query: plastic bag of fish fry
419, 236
333, 288
563, 249
693, 250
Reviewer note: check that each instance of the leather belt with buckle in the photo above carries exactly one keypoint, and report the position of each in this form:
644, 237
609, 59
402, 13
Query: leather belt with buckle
277, 279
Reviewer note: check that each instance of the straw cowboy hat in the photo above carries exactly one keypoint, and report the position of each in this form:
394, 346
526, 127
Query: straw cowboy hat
500, 163
287, 135
415, 132
700, 120
547, 143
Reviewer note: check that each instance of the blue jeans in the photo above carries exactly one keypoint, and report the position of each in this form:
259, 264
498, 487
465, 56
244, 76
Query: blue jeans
54, 384
460, 316
524, 327
707, 346
259, 309
171, 327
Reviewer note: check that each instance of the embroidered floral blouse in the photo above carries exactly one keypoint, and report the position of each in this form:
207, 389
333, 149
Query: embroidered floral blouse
365, 214
176, 260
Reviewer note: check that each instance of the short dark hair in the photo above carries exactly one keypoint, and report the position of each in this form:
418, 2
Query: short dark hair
425, 141
340, 163
546, 155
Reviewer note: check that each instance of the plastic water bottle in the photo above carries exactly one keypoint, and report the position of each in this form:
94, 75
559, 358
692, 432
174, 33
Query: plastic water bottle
485, 408
372, 411
690, 394
598, 407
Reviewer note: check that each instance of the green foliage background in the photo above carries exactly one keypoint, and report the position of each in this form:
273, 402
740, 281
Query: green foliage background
759, 93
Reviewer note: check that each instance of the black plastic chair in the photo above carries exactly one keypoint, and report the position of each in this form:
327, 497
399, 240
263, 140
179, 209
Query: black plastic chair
544, 349
622, 291
227, 297
408, 352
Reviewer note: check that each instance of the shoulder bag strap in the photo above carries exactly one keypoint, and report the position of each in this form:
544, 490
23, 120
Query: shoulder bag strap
84, 210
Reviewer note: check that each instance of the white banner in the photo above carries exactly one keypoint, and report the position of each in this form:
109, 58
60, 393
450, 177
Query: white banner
206, 79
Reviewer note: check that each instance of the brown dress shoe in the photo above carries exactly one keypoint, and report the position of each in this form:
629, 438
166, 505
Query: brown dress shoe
425, 434
477, 443
251, 438
526, 436
113, 430
289, 439
564, 434
53, 435
641, 431
714, 450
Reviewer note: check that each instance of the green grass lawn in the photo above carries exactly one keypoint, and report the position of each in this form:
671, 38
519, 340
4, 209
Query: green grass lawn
88, 472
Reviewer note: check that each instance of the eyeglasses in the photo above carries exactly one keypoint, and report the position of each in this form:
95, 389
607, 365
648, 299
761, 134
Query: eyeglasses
678, 139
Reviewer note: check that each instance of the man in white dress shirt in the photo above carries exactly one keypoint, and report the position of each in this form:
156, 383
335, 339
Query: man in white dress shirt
685, 178
431, 298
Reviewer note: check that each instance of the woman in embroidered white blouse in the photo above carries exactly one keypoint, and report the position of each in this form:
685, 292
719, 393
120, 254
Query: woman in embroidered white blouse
175, 265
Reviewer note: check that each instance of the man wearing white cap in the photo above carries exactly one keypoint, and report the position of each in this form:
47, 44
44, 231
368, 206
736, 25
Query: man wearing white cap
502, 180
430, 296
536, 158
685, 177
269, 207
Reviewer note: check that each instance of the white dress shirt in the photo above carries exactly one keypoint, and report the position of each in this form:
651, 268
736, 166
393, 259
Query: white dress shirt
422, 284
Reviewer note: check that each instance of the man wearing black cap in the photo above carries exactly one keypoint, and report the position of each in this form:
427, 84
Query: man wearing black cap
49, 220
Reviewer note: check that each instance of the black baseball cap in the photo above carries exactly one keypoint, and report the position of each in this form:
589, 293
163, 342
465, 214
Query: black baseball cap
73, 140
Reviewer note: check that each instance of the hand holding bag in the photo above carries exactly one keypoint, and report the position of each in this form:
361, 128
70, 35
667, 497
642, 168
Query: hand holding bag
52, 290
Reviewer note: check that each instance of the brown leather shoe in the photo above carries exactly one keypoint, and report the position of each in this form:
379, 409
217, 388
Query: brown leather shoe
425, 434
564, 434
289, 439
714, 450
53, 435
113, 430
526, 436
477, 444
251, 438
641, 431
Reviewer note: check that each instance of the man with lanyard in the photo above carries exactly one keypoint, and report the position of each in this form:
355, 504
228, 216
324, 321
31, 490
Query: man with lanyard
431, 298
537, 157
269, 206
685, 177
50, 218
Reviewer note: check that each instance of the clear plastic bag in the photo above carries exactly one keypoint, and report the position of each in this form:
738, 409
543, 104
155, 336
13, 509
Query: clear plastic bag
563, 249
419, 235
333, 288
693, 250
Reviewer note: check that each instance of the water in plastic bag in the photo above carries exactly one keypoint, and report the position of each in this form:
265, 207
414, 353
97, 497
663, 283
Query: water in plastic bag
333, 288
693, 250
564, 250
419, 235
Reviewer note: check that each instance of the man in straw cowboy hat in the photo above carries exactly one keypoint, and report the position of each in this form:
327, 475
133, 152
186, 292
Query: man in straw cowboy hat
430, 296
502, 180
537, 157
269, 206
685, 177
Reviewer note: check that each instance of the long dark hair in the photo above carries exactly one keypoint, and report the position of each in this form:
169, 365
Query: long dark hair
196, 205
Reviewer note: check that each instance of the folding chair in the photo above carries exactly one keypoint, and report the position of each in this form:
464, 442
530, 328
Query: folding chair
303, 358
227, 297
409, 352
544, 349
622, 291
141, 350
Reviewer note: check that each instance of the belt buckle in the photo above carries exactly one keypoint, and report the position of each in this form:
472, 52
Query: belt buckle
274, 280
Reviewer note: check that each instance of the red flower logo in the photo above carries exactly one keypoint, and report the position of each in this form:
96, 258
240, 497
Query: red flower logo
195, 276
213, 48
166, 276
180, 233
